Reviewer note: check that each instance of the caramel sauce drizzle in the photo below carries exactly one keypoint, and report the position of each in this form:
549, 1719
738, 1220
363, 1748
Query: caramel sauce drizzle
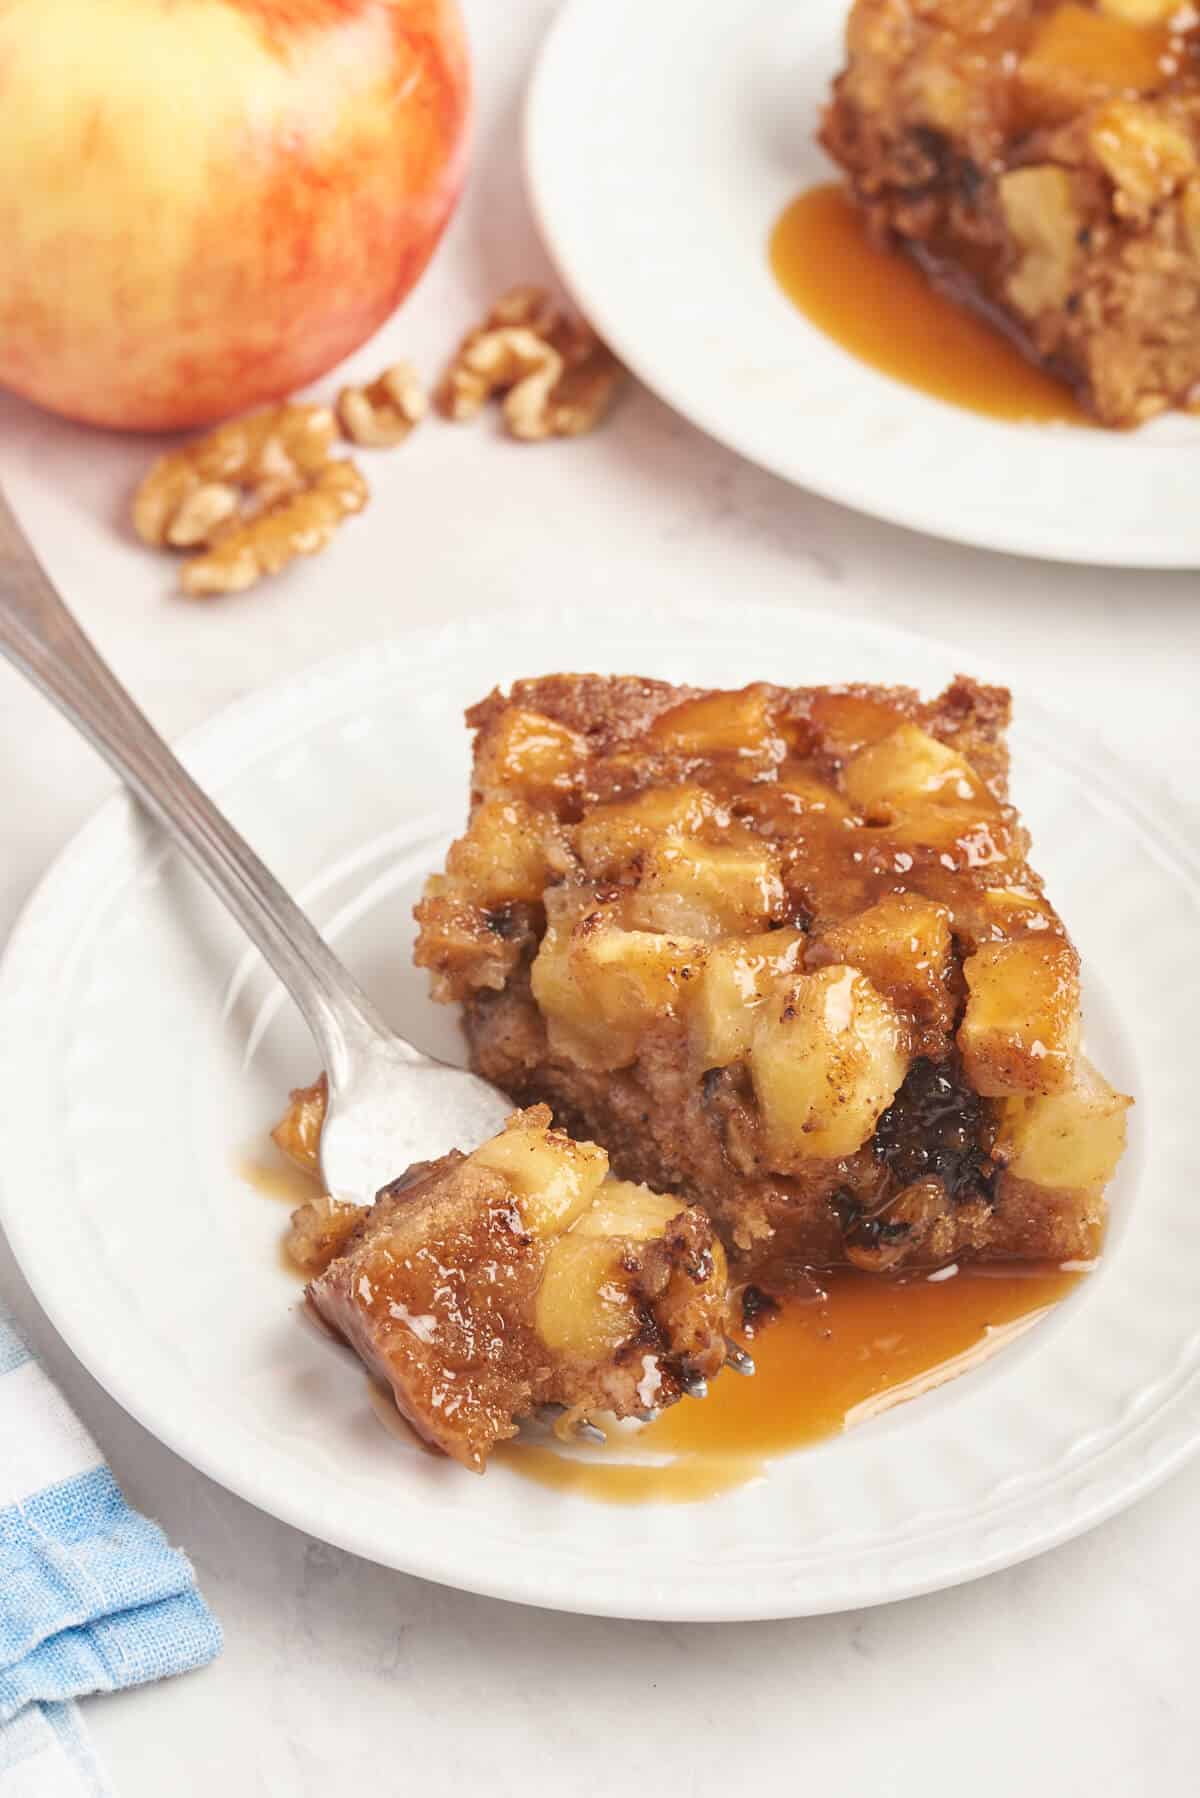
878, 305
825, 1364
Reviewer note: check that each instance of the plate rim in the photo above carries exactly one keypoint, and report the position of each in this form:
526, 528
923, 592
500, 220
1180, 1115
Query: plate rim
689, 402
214, 739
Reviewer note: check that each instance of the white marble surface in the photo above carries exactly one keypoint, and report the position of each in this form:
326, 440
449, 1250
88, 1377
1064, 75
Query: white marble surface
1071, 1674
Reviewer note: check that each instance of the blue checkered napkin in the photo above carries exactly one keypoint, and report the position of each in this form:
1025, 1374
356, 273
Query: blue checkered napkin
92, 1598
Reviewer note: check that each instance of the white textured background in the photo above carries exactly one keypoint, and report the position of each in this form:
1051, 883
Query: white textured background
1073, 1674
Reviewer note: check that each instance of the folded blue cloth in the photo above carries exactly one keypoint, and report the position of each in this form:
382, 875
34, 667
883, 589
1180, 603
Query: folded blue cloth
92, 1598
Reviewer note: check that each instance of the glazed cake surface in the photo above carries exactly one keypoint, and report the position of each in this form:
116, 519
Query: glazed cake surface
781, 952
1042, 159
482, 1288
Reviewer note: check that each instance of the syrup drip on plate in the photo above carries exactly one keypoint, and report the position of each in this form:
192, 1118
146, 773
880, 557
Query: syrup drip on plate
825, 1364
280, 1180
881, 307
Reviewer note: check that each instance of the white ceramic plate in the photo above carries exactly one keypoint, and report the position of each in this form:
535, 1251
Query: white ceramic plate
144, 1052
662, 143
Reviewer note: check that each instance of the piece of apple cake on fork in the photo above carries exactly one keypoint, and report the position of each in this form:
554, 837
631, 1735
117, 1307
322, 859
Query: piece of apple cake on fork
520, 1279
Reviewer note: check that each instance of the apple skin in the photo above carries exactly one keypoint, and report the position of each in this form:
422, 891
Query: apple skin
205, 204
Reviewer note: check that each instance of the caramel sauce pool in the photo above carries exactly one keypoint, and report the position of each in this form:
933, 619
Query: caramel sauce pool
281, 1180
879, 306
824, 1364
855, 1348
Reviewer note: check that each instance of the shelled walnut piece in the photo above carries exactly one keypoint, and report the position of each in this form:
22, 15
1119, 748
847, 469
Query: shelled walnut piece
295, 524
556, 377
385, 412
249, 497
259, 491
266, 454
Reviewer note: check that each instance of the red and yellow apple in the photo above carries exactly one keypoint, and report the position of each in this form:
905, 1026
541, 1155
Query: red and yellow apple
204, 204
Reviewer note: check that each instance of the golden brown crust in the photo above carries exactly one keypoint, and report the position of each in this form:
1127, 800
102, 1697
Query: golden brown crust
606, 710
435, 1293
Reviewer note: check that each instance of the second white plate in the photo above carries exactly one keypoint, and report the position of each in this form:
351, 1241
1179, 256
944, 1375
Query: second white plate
662, 143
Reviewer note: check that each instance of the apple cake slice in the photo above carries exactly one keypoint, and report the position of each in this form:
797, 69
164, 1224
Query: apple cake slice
782, 953
481, 1288
1042, 158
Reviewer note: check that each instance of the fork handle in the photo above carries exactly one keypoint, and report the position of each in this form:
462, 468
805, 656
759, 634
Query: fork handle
40, 636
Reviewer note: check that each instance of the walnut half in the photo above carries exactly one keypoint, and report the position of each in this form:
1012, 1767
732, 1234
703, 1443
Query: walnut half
382, 414
556, 378
298, 524
190, 490
249, 497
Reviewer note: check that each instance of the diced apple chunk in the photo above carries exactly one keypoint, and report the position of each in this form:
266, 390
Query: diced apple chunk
641, 971
929, 793
573, 1027
298, 1132
1019, 911
1021, 1027
848, 722
610, 837
583, 1303
911, 772
738, 975
625, 1208
903, 945
827, 1059
505, 856
1039, 209
1141, 12
1079, 56
554, 1178
599, 986
737, 724
596, 1281
527, 755
1072, 1139
707, 891
998, 914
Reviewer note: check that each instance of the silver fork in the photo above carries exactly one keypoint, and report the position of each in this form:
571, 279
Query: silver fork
389, 1105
